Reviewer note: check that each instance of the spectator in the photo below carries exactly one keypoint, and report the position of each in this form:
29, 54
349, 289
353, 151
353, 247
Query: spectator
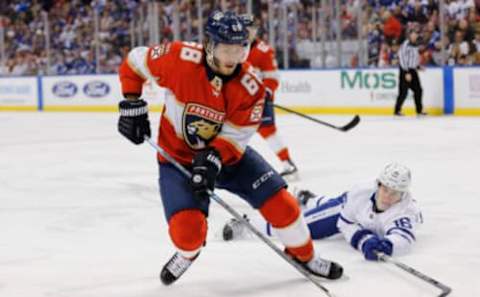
465, 28
392, 28
417, 13
431, 35
375, 39
435, 55
476, 58
476, 43
459, 48
393, 55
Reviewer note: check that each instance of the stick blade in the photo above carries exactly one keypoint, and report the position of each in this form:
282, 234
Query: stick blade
354, 122
445, 292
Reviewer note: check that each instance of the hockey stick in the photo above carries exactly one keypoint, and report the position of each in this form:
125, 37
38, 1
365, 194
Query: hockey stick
236, 215
445, 289
353, 122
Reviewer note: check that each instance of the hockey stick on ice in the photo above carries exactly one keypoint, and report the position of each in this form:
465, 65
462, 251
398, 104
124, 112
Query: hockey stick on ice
236, 215
353, 122
445, 289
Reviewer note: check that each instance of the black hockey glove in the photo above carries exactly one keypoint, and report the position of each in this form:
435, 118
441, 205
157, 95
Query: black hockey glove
268, 95
268, 116
206, 166
133, 122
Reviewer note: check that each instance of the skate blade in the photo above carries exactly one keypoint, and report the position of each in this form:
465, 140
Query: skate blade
291, 177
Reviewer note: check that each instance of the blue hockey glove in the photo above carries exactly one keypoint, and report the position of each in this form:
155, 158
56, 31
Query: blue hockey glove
206, 166
386, 247
371, 247
133, 122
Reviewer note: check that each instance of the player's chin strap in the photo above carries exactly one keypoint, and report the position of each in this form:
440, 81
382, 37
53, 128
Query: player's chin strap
239, 217
445, 289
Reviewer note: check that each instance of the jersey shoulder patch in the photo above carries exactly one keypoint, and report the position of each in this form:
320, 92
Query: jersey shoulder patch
263, 47
159, 50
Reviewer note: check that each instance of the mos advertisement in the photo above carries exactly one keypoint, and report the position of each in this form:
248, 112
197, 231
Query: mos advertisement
361, 88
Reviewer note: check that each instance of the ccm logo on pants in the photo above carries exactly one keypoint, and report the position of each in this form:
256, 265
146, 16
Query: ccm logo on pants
256, 184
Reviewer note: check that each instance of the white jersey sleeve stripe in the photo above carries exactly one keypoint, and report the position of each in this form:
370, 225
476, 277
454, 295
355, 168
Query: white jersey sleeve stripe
403, 230
137, 60
401, 245
400, 234
345, 220
238, 136
271, 74
174, 112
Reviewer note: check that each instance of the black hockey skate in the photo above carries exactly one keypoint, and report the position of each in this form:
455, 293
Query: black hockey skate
290, 171
175, 267
234, 229
303, 196
323, 268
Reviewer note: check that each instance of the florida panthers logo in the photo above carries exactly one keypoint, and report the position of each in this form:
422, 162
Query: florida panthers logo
200, 125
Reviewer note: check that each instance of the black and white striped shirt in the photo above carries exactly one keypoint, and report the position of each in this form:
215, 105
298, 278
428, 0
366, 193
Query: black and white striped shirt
408, 56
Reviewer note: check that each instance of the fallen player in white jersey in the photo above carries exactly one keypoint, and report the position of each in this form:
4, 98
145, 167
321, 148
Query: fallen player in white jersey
379, 216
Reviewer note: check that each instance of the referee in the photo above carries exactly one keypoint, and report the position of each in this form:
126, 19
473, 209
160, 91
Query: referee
409, 63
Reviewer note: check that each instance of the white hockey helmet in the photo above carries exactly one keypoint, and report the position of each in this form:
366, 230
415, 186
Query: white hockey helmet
396, 177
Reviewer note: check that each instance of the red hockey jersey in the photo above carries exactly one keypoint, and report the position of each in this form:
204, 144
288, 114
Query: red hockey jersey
262, 58
200, 108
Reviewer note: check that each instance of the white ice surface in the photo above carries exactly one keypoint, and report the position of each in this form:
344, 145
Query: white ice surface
80, 214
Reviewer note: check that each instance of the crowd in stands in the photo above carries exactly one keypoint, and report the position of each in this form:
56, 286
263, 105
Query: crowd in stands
74, 48
389, 20
71, 42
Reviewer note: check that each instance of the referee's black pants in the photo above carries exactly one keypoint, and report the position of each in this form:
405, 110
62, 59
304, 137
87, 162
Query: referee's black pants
403, 87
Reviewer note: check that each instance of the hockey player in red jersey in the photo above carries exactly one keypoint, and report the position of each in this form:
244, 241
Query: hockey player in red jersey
262, 58
213, 106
